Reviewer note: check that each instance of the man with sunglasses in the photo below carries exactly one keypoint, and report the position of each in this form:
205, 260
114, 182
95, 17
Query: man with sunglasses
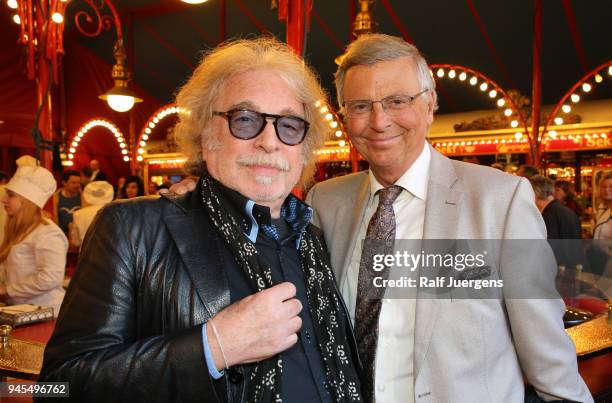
226, 293
426, 349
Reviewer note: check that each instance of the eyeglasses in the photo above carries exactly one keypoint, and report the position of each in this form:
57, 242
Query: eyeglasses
246, 124
392, 105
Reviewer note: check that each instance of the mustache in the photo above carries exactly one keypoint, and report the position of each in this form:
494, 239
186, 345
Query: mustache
268, 161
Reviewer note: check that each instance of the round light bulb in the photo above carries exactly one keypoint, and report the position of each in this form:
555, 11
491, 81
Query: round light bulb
139, 158
586, 87
17, 19
492, 93
342, 143
558, 120
508, 112
501, 102
462, 76
120, 103
452, 74
484, 86
566, 108
598, 78
473, 80
57, 18
575, 98
126, 158
338, 133
440, 73
514, 123
12, 4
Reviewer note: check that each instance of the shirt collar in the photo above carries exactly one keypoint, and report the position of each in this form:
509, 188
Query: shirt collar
414, 180
252, 216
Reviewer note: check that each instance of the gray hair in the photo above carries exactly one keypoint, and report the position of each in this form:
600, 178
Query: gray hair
542, 186
369, 49
196, 98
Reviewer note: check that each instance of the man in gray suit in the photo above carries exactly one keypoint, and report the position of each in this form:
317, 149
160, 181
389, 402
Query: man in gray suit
436, 350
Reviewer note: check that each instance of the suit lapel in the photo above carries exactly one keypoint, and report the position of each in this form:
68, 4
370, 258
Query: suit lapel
198, 247
354, 221
441, 218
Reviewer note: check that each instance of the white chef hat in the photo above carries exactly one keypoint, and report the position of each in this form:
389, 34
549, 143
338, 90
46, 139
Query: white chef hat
32, 181
98, 192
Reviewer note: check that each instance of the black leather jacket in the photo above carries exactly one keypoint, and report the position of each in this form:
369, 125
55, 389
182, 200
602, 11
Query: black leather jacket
151, 271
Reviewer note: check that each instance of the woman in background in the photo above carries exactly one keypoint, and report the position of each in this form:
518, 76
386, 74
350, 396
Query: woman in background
33, 253
133, 187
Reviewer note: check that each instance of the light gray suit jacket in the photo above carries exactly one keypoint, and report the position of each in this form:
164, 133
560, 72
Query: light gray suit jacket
468, 350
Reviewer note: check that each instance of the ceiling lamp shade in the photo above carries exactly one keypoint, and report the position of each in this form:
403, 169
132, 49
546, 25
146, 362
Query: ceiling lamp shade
120, 98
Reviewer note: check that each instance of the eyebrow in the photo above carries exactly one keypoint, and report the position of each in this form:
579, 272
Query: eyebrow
250, 105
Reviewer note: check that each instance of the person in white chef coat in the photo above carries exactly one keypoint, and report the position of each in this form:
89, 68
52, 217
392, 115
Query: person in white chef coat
33, 252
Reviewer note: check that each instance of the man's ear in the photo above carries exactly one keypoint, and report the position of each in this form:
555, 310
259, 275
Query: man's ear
432, 102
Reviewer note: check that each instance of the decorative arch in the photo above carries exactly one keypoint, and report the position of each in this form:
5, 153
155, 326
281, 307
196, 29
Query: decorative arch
586, 84
147, 129
485, 84
90, 124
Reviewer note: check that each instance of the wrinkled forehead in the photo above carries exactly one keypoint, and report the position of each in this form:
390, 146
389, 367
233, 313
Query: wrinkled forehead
262, 90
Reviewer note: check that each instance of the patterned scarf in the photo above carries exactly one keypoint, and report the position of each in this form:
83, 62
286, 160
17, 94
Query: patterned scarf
324, 306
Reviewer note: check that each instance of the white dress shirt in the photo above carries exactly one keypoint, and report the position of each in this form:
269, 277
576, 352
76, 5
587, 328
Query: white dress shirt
395, 350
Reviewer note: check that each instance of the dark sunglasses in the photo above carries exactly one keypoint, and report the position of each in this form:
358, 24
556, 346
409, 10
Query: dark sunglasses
246, 124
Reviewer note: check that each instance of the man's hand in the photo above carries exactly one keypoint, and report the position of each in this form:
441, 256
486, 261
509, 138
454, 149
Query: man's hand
256, 327
186, 185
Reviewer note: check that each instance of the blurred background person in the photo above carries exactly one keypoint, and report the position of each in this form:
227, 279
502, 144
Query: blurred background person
152, 189
561, 222
96, 173
527, 171
95, 196
3, 180
33, 252
565, 195
603, 213
67, 199
133, 187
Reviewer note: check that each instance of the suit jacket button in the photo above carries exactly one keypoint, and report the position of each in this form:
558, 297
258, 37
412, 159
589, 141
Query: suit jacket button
235, 376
